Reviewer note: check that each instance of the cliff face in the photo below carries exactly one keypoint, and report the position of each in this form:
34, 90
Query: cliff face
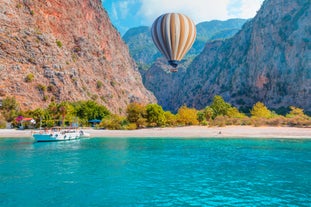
165, 84
72, 51
269, 60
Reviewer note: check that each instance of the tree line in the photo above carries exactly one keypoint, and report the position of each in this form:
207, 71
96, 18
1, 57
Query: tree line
218, 113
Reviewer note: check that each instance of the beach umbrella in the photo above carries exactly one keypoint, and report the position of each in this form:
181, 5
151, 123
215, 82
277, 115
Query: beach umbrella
173, 34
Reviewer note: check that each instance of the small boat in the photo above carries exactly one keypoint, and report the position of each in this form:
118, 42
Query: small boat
58, 134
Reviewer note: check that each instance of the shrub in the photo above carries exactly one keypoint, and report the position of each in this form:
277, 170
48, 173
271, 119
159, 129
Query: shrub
276, 121
131, 126
29, 78
99, 84
170, 118
135, 111
10, 108
113, 122
219, 121
201, 116
296, 112
141, 122
233, 112
257, 122
59, 43
259, 110
155, 115
219, 106
204, 123
45, 98
187, 116
2, 124
41, 87
208, 113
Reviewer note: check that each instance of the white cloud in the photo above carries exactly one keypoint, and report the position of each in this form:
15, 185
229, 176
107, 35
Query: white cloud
114, 11
121, 9
200, 10
250, 8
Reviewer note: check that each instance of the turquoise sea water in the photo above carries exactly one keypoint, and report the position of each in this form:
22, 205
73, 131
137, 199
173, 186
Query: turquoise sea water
156, 172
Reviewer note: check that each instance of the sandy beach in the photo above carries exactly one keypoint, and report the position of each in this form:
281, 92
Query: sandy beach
190, 132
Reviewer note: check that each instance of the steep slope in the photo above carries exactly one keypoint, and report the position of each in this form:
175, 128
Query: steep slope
163, 83
269, 60
65, 50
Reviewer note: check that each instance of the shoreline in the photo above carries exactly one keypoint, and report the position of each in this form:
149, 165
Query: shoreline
186, 132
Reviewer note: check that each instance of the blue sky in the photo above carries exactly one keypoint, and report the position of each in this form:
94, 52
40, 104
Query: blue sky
125, 14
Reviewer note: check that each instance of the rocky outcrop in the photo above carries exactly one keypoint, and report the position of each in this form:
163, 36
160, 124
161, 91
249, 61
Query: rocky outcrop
65, 50
269, 60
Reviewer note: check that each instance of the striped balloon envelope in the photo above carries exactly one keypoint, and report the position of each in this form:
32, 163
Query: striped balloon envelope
173, 34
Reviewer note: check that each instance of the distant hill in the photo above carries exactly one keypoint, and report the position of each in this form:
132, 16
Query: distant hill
144, 52
141, 46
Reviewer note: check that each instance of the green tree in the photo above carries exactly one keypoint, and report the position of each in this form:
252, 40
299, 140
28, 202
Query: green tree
187, 116
53, 110
170, 118
65, 111
136, 113
155, 115
208, 113
259, 110
2, 124
219, 106
10, 108
201, 116
38, 115
113, 121
296, 112
88, 110
233, 112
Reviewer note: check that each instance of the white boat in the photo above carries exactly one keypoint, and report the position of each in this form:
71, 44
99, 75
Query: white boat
57, 134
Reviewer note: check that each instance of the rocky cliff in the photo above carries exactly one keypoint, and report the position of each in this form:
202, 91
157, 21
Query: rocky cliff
53, 50
269, 60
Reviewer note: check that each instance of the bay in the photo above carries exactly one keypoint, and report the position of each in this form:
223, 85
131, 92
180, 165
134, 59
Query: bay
155, 172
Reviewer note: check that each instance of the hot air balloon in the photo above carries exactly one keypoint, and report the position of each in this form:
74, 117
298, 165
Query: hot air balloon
173, 34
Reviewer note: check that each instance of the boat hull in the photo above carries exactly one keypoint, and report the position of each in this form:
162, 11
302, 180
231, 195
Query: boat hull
56, 136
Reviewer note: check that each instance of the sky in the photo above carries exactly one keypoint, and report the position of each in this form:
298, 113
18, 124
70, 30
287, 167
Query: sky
126, 14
